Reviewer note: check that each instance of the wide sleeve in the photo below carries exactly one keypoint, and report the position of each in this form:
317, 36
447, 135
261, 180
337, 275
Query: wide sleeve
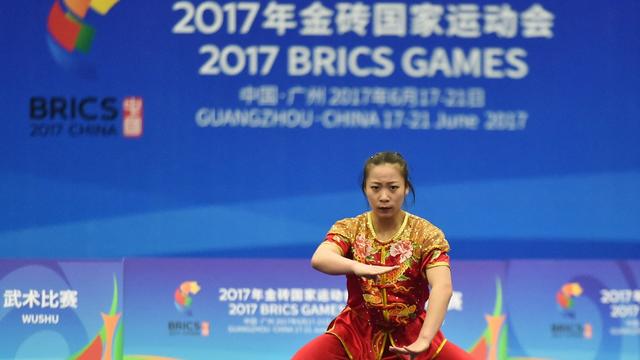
341, 235
435, 250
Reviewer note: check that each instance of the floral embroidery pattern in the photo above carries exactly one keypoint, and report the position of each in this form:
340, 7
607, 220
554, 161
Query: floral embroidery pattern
404, 249
363, 247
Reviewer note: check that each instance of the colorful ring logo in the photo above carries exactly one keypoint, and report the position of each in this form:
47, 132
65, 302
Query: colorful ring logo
70, 37
566, 294
182, 296
68, 28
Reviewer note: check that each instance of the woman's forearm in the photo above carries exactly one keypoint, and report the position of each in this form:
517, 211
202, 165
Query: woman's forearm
328, 261
436, 310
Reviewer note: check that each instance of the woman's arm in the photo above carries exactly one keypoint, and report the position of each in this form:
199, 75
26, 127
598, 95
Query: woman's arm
440, 281
327, 259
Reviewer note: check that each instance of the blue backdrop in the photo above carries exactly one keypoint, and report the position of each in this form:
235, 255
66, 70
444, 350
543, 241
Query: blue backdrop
240, 128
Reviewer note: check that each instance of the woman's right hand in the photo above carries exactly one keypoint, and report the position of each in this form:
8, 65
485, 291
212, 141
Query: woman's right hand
371, 271
328, 259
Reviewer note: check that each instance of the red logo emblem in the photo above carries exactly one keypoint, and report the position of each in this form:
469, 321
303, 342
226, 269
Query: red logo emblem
132, 119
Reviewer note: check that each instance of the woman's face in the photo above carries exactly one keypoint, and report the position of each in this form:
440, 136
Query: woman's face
385, 189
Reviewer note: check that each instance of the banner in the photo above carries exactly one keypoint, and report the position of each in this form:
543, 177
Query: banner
575, 309
129, 125
61, 309
234, 309
269, 308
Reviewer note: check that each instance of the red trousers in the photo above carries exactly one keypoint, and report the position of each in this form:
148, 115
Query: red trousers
328, 347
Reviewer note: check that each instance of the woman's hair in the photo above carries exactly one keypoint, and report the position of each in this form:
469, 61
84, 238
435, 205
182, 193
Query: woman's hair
388, 157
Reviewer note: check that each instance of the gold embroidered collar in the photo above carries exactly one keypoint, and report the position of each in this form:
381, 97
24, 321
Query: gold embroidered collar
395, 236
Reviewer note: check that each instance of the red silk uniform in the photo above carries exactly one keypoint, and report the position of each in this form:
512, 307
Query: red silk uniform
390, 310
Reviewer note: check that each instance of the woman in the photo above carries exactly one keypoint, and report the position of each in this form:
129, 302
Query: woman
394, 261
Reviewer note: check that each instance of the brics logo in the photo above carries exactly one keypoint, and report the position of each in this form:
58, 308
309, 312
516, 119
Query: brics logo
68, 28
84, 116
183, 300
565, 299
70, 39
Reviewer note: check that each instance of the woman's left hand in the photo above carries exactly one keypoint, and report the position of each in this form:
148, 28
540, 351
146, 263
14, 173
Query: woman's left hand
413, 350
